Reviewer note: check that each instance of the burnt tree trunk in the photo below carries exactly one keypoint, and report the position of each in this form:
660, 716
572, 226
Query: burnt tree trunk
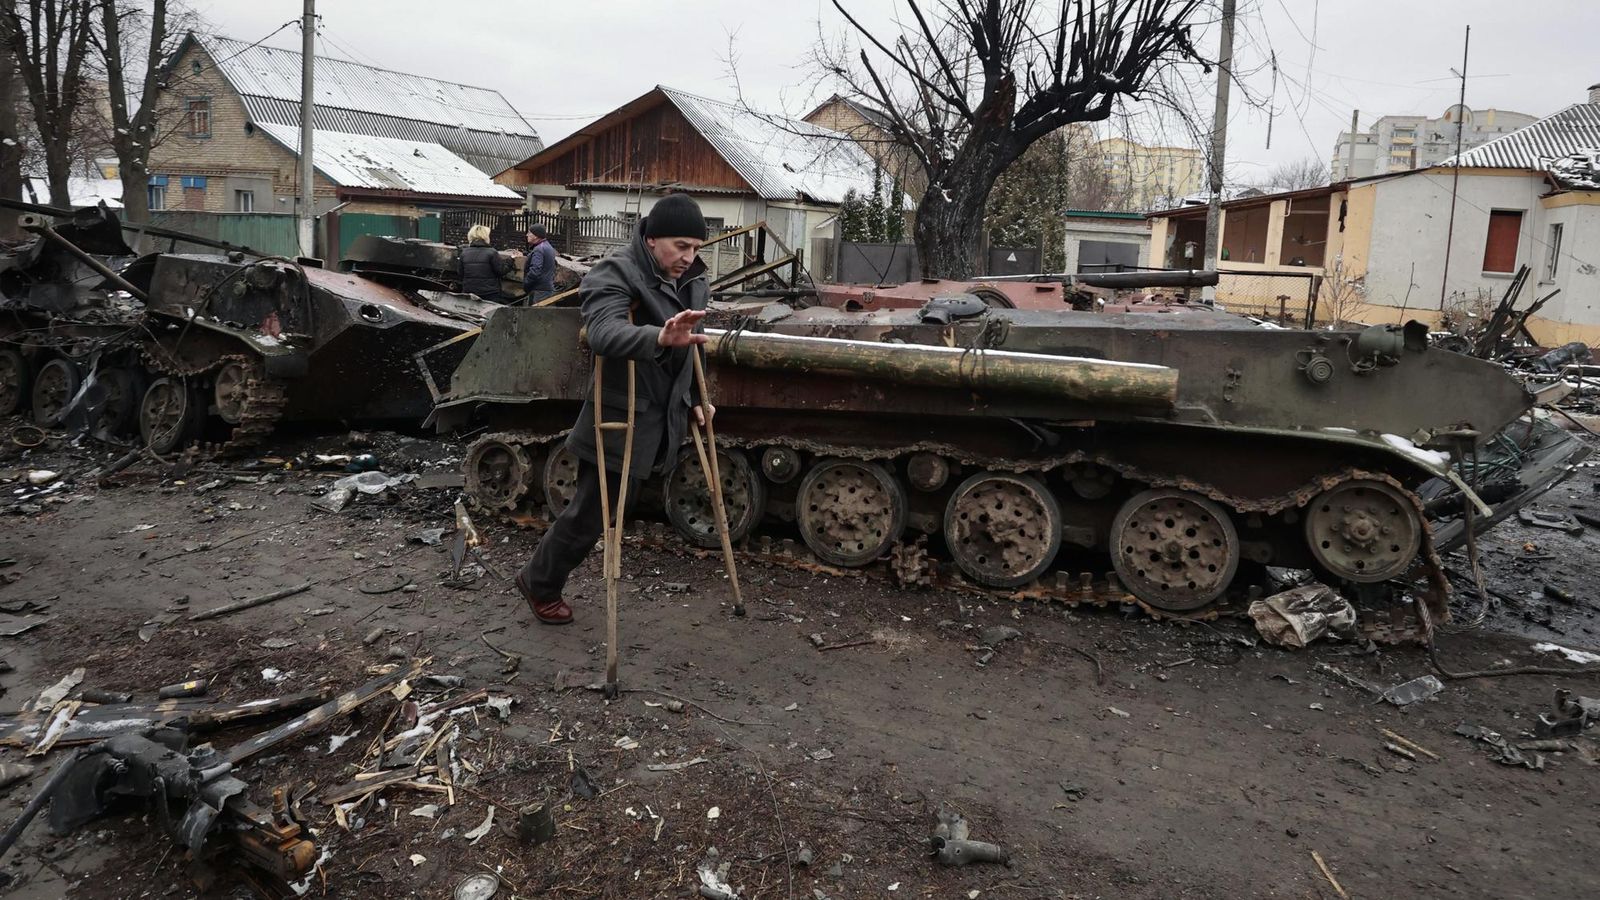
10, 135
134, 134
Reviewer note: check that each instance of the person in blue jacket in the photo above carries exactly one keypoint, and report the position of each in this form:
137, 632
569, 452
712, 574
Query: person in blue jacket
539, 269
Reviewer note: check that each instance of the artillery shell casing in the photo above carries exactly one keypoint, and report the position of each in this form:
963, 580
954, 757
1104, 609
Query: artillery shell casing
182, 689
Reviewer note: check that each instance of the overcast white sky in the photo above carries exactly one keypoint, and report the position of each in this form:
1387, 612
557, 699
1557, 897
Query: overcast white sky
562, 62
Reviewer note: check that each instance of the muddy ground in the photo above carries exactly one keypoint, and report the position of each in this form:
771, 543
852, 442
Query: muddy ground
1111, 755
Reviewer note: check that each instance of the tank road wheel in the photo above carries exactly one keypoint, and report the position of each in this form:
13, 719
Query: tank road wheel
1174, 550
560, 479
688, 500
14, 380
229, 391
498, 472
53, 387
169, 414
850, 511
1003, 530
119, 408
1364, 531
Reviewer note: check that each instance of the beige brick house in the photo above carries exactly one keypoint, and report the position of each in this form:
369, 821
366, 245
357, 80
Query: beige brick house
869, 127
385, 142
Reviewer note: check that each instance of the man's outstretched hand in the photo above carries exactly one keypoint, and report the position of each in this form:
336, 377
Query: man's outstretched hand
679, 330
700, 413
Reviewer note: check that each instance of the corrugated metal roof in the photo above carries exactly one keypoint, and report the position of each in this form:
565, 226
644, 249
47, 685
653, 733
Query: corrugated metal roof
1580, 171
259, 71
362, 160
491, 152
781, 158
1536, 146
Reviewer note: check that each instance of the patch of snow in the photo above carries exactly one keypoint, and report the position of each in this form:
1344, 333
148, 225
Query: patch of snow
1432, 459
1582, 657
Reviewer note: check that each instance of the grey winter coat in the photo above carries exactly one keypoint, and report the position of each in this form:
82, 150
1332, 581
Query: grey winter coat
665, 393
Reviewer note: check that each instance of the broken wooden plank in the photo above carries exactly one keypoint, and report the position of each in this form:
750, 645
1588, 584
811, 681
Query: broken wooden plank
96, 723
338, 706
250, 602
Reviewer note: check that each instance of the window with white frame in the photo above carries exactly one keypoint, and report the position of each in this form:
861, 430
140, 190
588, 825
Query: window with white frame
1552, 263
244, 201
157, 192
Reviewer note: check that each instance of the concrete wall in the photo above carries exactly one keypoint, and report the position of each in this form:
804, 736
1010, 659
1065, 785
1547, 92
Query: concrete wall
1410, 221
1113, 230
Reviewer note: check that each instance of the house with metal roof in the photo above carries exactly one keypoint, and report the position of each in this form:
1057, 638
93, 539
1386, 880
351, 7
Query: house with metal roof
384, 142
1421, 244
742, 166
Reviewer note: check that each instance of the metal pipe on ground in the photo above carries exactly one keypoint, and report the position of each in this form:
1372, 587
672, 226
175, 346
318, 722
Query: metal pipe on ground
1069, 377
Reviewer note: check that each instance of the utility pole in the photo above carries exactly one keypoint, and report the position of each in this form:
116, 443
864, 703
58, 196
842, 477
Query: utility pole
308, 59
1219, 142
1455, 179
1355, 122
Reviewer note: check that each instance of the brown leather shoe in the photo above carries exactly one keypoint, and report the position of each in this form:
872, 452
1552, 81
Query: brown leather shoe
550, 612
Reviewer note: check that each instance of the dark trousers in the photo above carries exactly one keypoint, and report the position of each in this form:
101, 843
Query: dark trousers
537, 294
573, 534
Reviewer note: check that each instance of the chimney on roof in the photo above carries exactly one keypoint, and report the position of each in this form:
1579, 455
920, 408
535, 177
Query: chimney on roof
1594, 93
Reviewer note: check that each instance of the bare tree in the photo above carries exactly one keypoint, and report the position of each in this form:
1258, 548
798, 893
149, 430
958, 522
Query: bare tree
970, 89
11, 136
50, 41
1306, 172
144, 29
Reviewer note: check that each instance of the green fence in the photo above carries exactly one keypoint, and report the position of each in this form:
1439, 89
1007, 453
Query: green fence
353, 225
270, 233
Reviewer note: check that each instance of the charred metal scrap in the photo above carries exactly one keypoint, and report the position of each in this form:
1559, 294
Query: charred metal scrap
184, 347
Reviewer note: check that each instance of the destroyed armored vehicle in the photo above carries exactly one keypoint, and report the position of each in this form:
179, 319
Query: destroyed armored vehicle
215, 348
66, 332
1189, 449
249, 341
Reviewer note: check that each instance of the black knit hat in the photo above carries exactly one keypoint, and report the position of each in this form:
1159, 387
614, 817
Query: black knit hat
538, 231
675, 215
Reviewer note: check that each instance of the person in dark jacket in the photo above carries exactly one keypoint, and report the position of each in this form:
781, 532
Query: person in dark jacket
539, 269
482, 266
660, 279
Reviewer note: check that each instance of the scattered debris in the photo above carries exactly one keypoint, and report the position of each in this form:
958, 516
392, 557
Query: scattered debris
1328, 874
1557, 521
1570, 718
1119, 713
1346, 679
1408, 744
995, 635
535, 824
677, 766
1504, 752
481, 886
426, 811
250, 602
429, 536
1298, 616
54, 694
476, 834
714, 878
1409, 692
951, 846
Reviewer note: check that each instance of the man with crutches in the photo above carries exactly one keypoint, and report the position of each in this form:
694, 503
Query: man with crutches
642, 307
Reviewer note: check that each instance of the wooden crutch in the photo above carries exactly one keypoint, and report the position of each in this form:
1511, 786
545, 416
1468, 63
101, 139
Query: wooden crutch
612, 531
709, 466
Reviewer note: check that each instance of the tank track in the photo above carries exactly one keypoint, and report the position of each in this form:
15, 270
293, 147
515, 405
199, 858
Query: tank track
265, 399
912, 566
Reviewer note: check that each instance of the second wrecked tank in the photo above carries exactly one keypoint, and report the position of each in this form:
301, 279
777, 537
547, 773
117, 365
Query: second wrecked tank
1188, 449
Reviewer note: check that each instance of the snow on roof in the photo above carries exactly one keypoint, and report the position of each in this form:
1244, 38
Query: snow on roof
781, 158
1536, 146
261, 71
1578, 171
360, 160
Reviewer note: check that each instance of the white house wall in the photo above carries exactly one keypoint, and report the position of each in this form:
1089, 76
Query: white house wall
1410, 222
1578, 274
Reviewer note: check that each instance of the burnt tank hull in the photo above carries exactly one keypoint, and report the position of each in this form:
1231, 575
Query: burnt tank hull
1273, 447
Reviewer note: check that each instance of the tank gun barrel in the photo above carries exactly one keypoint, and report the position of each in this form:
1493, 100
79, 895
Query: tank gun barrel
1069, 377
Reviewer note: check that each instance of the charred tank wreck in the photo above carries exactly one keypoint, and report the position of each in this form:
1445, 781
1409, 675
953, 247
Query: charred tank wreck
1192, 450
